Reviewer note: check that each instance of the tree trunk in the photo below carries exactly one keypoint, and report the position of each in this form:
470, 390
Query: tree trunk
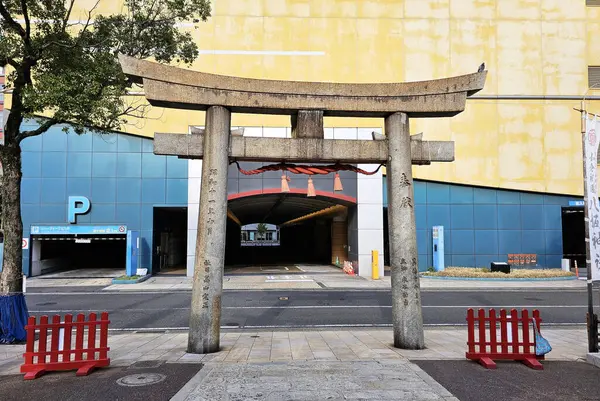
11, 279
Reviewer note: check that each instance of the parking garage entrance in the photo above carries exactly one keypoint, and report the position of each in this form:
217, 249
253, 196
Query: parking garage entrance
78, 251
308, 230
169, 240
573, 234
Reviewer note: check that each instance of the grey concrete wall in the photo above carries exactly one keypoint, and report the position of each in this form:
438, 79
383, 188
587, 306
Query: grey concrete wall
353, 234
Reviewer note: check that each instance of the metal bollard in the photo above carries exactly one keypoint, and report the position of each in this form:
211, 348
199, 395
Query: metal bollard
375, 265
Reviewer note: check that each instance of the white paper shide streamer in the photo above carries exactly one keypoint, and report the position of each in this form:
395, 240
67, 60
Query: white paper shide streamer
591, 180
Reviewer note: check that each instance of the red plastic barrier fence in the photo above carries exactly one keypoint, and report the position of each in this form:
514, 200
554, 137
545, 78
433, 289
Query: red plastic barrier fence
516, 340
56, 349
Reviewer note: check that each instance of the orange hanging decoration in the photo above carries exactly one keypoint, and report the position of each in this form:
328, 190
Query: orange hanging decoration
337, 183
284, 183
311, 188
309, 170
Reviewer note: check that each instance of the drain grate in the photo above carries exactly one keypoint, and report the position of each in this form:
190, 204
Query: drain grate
141, 379
45, 303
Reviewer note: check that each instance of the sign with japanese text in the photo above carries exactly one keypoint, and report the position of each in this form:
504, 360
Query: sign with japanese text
70, 230
591, 181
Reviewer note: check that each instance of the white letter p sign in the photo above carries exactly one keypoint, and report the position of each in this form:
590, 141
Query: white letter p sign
77, 205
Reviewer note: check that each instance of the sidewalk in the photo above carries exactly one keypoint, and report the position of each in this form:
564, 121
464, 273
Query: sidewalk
303, 277
286, 346
307, 365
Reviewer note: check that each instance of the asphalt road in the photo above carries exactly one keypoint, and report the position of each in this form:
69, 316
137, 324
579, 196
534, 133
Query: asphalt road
271, 309
512, 381
143, 381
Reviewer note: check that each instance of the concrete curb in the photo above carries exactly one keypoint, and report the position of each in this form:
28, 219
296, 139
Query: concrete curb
191, 385
569, 278
438, 388
137, 280
593, 358
105, 289
291, 290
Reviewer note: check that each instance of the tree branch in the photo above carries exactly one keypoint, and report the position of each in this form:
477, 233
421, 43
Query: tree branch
11, 22
10, 61
26, 18
64, 28
87, 23
68, 15
39, 130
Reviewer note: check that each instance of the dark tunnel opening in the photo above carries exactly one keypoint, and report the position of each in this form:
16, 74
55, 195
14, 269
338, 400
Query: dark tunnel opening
304, 243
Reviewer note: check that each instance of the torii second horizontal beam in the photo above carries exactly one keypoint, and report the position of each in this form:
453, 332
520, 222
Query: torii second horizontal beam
303, 150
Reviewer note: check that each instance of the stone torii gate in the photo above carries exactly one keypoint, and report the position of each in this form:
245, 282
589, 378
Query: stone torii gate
307, 103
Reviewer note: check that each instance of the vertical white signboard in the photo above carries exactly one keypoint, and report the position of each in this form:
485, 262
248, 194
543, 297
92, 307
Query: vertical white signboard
591, 181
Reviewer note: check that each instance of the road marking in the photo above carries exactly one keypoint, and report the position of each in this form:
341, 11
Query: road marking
146, 329
317, 326
389, 306
288, 279
311, 307
308, 326
109, 291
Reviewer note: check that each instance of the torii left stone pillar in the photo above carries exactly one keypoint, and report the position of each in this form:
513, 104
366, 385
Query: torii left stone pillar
207, 289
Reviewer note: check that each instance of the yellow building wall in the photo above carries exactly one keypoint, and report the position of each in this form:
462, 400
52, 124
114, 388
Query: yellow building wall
530, 47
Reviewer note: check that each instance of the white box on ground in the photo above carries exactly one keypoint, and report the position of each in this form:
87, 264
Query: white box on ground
565, 264
142, 272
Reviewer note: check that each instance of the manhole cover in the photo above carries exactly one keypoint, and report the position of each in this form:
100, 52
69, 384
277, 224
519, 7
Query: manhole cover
141, 379
46, 303
146, 365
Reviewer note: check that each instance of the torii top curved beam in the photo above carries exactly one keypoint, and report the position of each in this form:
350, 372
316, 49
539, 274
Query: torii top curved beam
174, 87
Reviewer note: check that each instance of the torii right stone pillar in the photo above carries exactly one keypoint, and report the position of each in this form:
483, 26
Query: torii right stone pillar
207, 286
406, 292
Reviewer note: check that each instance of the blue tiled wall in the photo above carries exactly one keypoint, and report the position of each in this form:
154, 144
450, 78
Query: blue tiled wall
119, 173
482, 225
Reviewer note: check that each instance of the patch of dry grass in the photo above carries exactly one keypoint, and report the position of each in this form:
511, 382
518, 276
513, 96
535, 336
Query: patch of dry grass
471, 272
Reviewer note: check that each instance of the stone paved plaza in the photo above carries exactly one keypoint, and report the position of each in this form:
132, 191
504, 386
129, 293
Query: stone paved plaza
314, 381
306, 365
287, 346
